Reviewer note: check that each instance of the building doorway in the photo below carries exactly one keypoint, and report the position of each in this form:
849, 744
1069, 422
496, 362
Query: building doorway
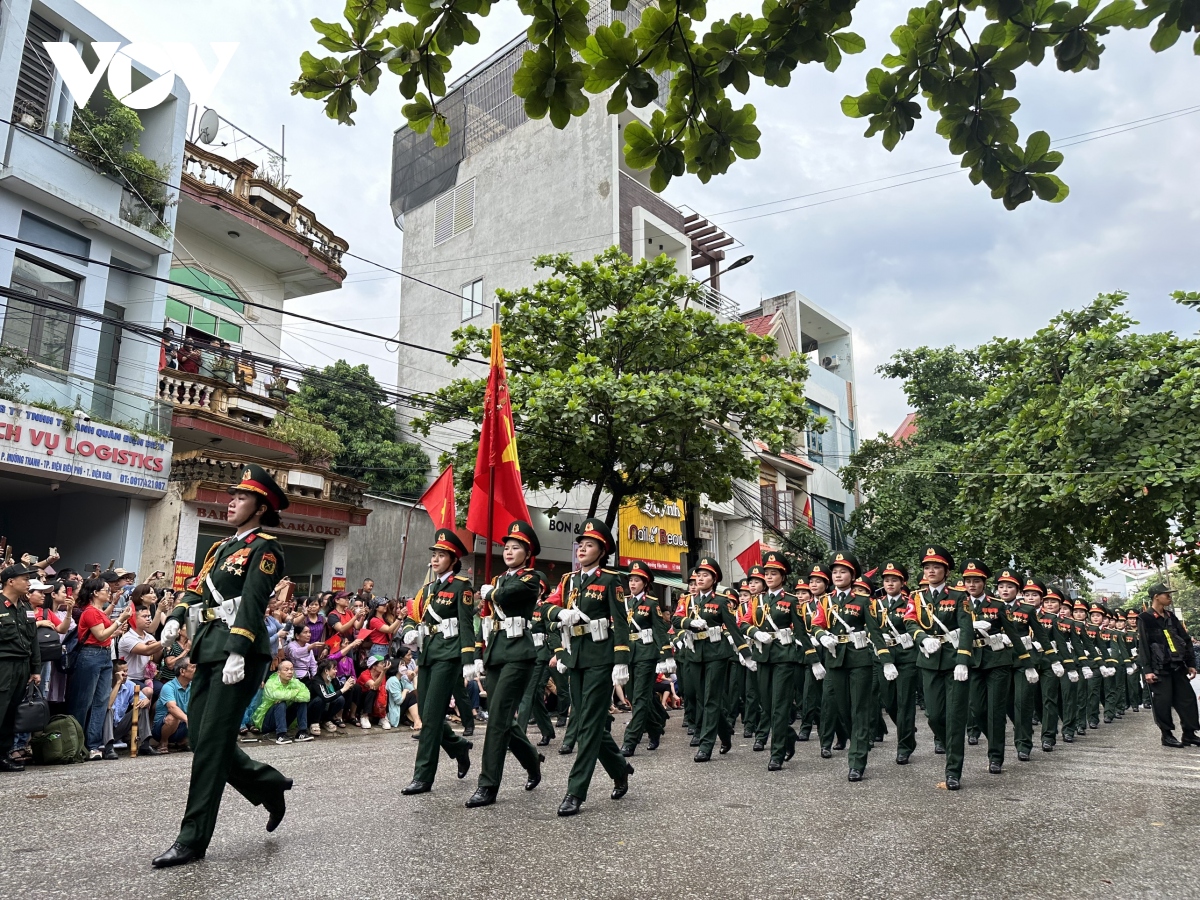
304, 558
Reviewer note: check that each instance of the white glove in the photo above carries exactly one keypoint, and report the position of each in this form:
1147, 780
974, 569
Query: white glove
1134, 652
235, 669
983, 626
699, 624
960, 672
829, 642
1129, 670
1005, 640
1087, 673
751, 665
1031, 675
479, 668
1111, 672
1037, 646
569, 617
562, 667
469, 672
818, 671
670, 666
620, 674
1072, 676
410, 637
661, 668
169, 633
485, 590
763, 637
1057, 668
930, 646
890, 672
1026, 642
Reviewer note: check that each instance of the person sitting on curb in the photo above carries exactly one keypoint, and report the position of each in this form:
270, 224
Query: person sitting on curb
284, 696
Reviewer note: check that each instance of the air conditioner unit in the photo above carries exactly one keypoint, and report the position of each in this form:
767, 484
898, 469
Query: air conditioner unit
831, 362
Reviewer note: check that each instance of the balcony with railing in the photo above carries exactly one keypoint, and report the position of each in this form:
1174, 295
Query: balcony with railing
236, 200
218, 470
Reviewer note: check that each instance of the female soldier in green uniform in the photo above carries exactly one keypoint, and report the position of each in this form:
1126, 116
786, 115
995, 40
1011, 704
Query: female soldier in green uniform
847, 626
899, 697
441, 630
533, 703
509, 657
651, 655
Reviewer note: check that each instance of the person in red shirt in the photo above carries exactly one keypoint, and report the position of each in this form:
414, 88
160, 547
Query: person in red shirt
383, 624
91, 679
188, 357
372, 684
342, 622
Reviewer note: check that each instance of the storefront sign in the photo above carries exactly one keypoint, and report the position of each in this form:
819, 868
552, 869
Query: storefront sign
337, 584
652, 533
35, 440
184, 570
286, 526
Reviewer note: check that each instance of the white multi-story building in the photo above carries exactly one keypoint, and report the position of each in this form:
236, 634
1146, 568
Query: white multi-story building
86, 443
507, 188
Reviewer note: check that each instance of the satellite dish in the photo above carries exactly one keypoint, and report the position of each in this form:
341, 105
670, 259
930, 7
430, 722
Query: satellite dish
210, 122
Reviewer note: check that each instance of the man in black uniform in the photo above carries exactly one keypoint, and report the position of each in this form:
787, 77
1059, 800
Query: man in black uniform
20, 658
1166, 652
225, 608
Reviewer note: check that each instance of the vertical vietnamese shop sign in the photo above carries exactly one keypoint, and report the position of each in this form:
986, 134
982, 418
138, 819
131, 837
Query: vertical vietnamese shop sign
44, 442
171, 58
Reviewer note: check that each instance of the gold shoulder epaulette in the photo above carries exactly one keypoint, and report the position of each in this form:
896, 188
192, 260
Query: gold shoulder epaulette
267, 537
462, 578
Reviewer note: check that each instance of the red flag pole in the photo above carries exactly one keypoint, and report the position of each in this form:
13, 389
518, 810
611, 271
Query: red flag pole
404, 550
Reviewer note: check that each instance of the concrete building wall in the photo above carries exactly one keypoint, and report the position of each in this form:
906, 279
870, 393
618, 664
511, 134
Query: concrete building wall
376, 548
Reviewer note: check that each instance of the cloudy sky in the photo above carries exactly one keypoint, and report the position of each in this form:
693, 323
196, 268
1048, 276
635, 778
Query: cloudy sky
913, 261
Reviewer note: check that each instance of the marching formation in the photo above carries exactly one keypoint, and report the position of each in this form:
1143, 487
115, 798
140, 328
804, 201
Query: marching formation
829, 652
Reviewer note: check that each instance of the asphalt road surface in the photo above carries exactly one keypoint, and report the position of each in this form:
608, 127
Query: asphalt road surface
1112, 816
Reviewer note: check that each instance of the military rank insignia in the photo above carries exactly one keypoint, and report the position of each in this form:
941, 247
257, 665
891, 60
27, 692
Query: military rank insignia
468, 598
236, 562
267, 564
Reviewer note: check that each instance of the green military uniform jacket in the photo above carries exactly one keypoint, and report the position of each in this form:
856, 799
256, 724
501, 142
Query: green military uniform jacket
953, 609
1112, 652
1062, 633
18, 635
1024, 619
1089, 635
248, 567
891, 624
514, 594
779, 613
993, 610
860, 614
646, 621
1052, 650
720, 617
600, 595
449, 598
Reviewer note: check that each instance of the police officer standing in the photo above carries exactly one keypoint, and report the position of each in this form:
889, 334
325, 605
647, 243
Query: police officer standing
1169, 662
20, 658
226, 608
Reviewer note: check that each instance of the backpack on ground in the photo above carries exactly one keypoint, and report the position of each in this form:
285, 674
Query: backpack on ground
59, 743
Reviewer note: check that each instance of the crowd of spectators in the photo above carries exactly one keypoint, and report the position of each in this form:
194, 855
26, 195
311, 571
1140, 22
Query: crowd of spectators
338, 662
216, 359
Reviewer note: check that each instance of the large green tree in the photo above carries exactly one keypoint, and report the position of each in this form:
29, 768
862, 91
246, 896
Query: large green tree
350, 401
621, 381
959, 59
1040, 450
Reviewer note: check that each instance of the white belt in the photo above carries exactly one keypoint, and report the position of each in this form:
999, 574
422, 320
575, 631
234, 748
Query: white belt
783, 636
995, 642
514, 626
646, 635
713, 634
538, 639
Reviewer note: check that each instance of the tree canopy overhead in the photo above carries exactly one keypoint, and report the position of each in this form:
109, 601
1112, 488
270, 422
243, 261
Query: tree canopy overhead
956, 59
1038, 450
620, 381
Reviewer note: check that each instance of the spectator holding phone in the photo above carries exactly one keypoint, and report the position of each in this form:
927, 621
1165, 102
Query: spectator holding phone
402, 698
311, 616
331, 694
91, 679
139, 649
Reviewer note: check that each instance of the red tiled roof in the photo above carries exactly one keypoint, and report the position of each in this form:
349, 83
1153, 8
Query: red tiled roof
790, 457
907, 429
760, 325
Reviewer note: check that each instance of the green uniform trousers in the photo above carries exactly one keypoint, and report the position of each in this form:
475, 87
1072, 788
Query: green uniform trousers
689, 678
647, 715
1111, 697
899, 698
1051, 696
878, 725
832, 722
976, 702
1133, 688
810, 710
710, 680
753, 714
505, 687
852, 694
591, 705
735, 694
573, 688
14, 677
1022, 711
1094, 690
462, 703
438, 681
533, 703
562, 690
1068, 691
946, 708
994, 685
777, 682
214, 715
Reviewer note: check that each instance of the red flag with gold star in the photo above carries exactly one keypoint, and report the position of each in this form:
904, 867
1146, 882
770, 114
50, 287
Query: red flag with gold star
439, 500
498, 449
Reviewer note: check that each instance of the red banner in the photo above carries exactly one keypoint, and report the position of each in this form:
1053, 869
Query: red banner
184, 570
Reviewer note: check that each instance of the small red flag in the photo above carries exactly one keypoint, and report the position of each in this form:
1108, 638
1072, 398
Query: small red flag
808, 512
751, 556
438, 500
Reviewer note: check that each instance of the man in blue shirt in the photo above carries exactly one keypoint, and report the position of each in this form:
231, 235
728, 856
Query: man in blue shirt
170, 714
